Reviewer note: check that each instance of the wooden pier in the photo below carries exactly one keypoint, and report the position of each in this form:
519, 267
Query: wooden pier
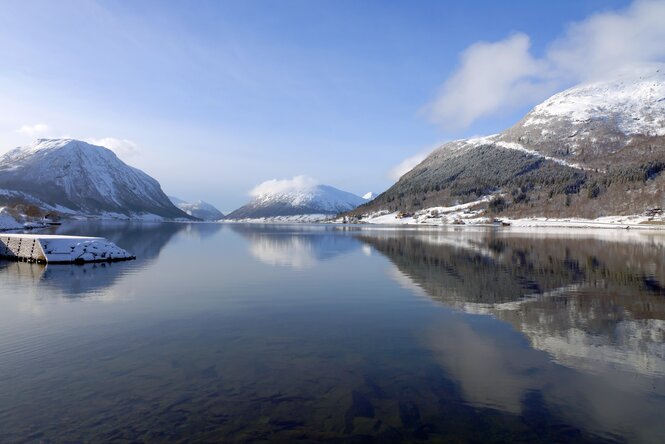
60, 249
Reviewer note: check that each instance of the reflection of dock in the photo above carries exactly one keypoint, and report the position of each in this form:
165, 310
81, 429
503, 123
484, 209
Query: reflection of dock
60, 249
69, 281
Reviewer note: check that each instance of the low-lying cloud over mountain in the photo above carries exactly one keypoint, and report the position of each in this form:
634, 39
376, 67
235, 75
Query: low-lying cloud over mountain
276, 186
32, 131
122, 147
298, 196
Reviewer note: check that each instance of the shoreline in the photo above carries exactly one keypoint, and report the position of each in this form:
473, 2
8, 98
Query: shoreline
640, 223
467, 215
525, 223
587, 224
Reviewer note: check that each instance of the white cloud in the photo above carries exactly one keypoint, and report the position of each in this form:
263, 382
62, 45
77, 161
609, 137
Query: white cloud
490, 76
121, 147
407, 165
611, 41
298, 183
35, 130
493, 77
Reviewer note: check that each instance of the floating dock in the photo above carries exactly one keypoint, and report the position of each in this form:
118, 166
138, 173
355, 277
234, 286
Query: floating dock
60, 249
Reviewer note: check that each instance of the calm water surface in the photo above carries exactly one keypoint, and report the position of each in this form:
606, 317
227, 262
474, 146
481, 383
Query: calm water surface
246, 333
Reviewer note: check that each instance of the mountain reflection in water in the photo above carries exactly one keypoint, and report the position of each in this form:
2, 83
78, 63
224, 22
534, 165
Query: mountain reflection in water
294, 246
595, 305
583, 300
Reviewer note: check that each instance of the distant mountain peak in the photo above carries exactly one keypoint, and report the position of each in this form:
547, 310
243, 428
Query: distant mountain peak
199, 209
369, 195
284, 198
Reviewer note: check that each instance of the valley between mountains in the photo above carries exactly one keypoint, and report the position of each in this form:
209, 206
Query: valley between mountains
594, 153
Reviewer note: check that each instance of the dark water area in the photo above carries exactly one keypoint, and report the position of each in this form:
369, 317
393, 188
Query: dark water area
255, 333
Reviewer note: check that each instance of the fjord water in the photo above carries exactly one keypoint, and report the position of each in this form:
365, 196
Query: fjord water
242, 333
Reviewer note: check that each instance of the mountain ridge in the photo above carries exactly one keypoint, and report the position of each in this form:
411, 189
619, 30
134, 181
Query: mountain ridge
199, 209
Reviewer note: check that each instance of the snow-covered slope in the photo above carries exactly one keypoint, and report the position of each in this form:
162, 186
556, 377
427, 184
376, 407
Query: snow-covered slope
616, 118
312, 199
7, 221
80, 178
199, 209
633, 101
369, 196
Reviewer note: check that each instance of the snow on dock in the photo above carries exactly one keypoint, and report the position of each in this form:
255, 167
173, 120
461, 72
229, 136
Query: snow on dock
60, 249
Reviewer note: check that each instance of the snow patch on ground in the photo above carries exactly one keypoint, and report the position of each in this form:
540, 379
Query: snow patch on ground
456, 214
7, 221
467, 214
630, 221
13, 221
518, 147
492, 140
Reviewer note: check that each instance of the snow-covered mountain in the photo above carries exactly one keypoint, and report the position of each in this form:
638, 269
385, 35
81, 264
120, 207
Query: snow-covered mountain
597, 149
369, 196
199, 209
75, 177
632, 102
595, 122
308, 198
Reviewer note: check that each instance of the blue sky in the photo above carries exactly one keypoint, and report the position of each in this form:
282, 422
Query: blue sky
214, 97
